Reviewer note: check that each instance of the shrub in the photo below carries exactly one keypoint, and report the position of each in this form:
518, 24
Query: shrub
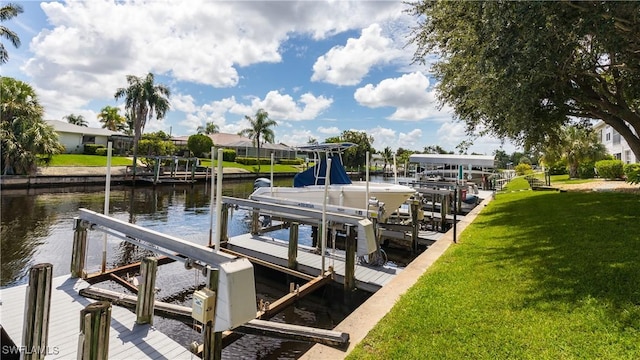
610, 169
229, 155
586, 170
253, 161
199, 144
296, 161
101, 151
632, 172
523, 169
558, 168
90, 149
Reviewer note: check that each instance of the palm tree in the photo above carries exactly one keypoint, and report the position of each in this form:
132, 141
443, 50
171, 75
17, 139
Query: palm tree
76, 120
577, 144
24, 135
7, 12
111, 119
209, 128
260, 128
387, 157
143, 99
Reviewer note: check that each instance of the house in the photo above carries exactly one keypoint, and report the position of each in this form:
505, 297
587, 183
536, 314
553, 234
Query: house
74, 137
616, 145
244, 147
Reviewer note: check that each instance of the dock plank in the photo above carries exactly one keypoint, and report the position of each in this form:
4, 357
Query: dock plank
266, 248
127, 340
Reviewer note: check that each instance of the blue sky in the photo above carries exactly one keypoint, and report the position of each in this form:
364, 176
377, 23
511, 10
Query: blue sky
318, 68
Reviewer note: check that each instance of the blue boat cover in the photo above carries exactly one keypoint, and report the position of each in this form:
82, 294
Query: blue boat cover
338, 174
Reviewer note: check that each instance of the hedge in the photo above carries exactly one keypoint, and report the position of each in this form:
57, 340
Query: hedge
101, 151
610, 169
229, 155
296, 161
253, 161
90, 149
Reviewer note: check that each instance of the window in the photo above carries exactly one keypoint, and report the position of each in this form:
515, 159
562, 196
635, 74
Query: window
627, 156
616, 137
617, 156
88, 139
608, 137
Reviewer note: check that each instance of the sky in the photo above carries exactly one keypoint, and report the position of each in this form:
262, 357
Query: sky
317, 67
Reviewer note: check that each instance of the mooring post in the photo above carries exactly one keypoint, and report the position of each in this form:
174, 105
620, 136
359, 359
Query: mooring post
146, 291
445, 206
79, 248
193, 170
415, 208
95, 322
293, 245
36, 316
350, 260
224, 224
212, 340
255, 222
156, 170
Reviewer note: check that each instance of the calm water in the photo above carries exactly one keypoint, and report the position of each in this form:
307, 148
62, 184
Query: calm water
37, 227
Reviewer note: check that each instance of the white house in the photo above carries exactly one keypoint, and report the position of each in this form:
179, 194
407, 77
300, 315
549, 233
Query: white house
73, 137
616, 145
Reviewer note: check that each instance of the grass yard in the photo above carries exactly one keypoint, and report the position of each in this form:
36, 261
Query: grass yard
537, 275
96, 160
88, 160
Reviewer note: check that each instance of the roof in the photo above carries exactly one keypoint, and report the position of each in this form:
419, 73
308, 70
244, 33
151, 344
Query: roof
486, 161
327, 147
61, 126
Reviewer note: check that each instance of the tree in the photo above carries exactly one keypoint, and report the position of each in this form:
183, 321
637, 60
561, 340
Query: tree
577, 145
521, 70
111, 119
23, 134
76, 120
435, 149
143, 100
387, 157
260, 128
355, 156
502, 159
7, 12
199, 144
209, 128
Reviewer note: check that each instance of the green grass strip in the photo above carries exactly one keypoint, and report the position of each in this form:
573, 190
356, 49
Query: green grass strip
537, 275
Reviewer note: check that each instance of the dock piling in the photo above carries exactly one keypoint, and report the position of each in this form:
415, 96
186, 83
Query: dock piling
293, 245
35, 331
350, 260
415, 209
146, 291
95, 322
79, 248
212, 339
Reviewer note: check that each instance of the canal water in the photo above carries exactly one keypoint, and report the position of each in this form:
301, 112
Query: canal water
37, 227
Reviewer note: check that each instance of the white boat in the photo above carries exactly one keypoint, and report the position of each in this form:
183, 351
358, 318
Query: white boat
308, 190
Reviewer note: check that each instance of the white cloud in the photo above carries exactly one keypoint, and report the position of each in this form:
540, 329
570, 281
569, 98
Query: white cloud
347, 65
329, 131
410, 94
284, 107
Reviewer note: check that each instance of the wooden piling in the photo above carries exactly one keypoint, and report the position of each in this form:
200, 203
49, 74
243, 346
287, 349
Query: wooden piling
146, 291
255, 222
79, 249
212, 340
350, 260
415, 208
95, 322
224, 224
293, 245
37, 308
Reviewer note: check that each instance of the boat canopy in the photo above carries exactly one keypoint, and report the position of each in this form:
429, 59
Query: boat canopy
479, 161
315, 175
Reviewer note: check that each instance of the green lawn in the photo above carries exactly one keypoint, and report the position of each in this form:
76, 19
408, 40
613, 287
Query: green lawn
88, 160
537, 275
96, 160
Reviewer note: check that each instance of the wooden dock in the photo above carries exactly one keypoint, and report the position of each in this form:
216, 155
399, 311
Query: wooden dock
127, 340
368, 278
